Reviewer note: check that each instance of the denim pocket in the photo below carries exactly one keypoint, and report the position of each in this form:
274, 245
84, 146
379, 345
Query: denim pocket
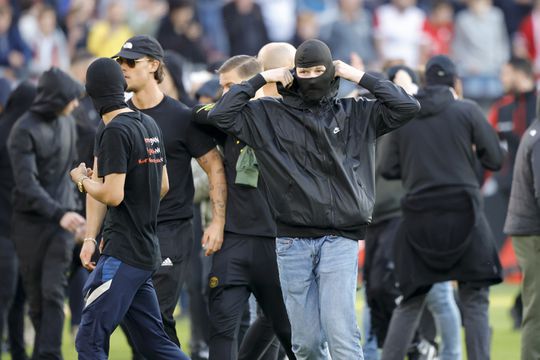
283, 244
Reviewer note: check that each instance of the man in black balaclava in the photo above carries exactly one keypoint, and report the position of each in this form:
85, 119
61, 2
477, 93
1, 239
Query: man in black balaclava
42, 149
125, 187
316, 155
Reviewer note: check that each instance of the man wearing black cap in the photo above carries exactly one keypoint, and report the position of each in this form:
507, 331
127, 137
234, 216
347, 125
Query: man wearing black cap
443, 234
125, 188
316, 155
42, 149
141, 61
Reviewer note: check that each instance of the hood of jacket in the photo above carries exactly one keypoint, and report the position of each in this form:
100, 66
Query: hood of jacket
174, 64
434, 99
54, 91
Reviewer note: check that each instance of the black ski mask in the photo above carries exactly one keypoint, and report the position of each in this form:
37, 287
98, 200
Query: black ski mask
105, 84
312, 53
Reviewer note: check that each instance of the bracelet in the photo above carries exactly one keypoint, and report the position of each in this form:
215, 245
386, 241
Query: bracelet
80, 184
90, 239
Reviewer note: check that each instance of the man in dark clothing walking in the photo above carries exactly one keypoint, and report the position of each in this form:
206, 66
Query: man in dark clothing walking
523, 224
316, 155
128, 181
141, 61
444, 234
11, 292
42, 149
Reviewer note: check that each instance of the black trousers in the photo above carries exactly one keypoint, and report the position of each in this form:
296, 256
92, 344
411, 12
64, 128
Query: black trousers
244, 265
260, 342
175, 242
12, 299
44, 250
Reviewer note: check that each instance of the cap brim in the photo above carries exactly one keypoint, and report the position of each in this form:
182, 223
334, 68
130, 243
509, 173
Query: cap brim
126, 54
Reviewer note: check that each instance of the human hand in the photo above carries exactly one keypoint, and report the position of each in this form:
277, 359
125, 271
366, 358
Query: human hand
71, 221
347, 72
282, 75
16, 59
79, 172
87, 250
212, 238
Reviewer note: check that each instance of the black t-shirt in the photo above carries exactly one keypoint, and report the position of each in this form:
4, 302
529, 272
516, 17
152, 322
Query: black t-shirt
248, 212
132, 144
183, 140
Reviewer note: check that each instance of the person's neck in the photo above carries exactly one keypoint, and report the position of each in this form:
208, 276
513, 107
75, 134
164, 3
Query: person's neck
270, 90
148, 97
107, 117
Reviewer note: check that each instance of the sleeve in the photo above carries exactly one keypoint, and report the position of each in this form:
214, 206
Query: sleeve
486, 141
236, 115
200, 117
113, 152
388, 163
25, 173
535, 167
392, 108
198, 142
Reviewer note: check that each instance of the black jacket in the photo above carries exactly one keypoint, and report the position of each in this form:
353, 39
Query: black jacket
19, 101
42, 149
437, 149
523, 216
317, 161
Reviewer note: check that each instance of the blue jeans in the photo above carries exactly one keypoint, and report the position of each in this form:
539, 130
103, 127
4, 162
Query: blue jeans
442, 305
318, 280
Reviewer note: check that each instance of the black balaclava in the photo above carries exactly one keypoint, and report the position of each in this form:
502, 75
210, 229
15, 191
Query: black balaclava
312, 53
105, 84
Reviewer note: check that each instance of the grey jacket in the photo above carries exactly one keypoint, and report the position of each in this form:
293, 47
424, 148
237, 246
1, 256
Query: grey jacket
523, 217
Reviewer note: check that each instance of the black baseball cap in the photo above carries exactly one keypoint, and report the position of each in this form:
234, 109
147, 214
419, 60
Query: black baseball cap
139, 46
440, 70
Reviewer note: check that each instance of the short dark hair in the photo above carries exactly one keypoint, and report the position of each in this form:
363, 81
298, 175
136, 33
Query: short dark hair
522, 65
246, 66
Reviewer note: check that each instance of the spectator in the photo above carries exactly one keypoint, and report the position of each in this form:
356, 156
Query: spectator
180, 32
14, 52
352, 32
173, 82
392, 41
77, 24
245, 27
480, 48
439, 30
108, 35
527, 43
307, 27
49, 45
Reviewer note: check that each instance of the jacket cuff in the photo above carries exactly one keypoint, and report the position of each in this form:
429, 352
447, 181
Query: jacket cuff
58, 214
368, 81
257, 82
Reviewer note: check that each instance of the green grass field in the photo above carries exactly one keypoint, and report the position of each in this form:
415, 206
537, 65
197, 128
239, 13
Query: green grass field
505, 344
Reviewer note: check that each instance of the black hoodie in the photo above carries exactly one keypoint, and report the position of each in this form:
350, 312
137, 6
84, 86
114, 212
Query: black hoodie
42, 149
441, 146
18, 102
317, 160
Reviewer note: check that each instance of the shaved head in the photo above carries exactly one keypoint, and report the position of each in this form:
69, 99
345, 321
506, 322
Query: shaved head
277, 54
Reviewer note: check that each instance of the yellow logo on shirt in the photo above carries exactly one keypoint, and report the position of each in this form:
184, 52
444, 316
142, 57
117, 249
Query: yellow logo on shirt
214, 281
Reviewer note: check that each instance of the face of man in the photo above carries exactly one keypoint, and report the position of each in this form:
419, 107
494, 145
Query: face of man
507, 78
228, 79
139, 72
310, 72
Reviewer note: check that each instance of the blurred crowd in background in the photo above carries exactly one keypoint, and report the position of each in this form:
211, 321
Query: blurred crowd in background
480, 35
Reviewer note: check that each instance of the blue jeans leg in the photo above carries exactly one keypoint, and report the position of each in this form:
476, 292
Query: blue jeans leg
296, 260
442, 304
337, 272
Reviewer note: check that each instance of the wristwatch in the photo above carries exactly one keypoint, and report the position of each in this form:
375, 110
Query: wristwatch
80, 184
